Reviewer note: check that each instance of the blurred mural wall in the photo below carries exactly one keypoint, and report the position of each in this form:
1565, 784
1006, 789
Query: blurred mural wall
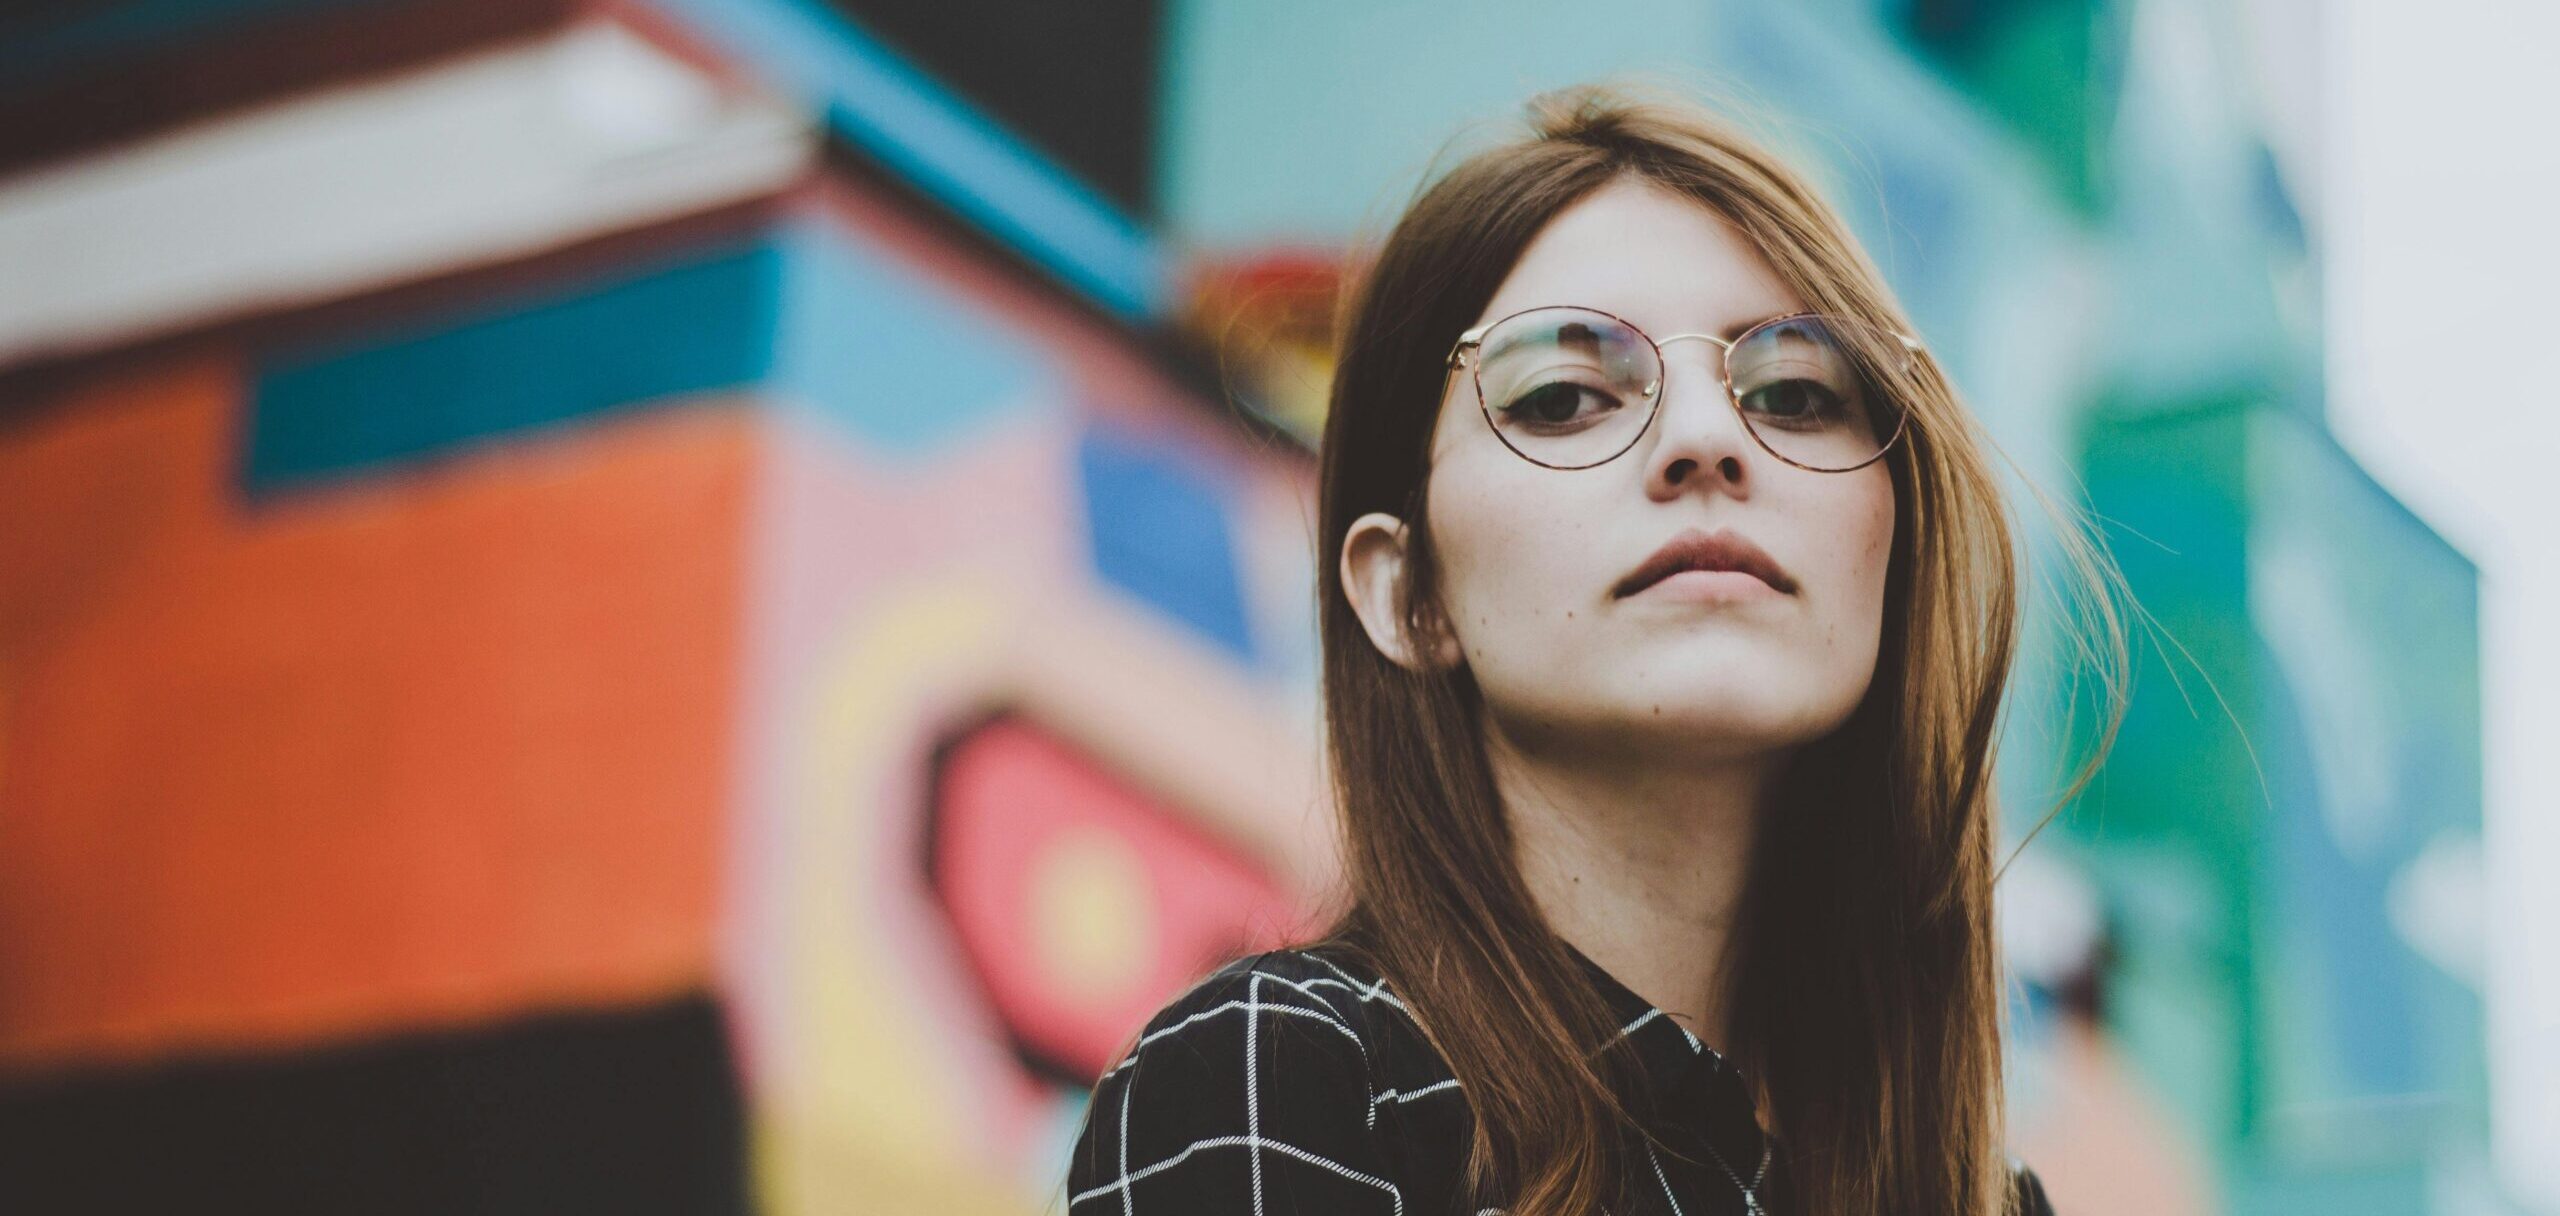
699, 605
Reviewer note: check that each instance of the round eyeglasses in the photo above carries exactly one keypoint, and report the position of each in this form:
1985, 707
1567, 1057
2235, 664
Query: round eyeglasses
1570, 387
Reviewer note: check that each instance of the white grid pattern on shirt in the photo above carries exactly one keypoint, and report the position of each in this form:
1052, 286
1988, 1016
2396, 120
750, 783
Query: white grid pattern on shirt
1206, 1014
1339, 1020
1252, 1141
1253, 1005
1121, 1184
1664, 1179
1751, 1190
1253, 1085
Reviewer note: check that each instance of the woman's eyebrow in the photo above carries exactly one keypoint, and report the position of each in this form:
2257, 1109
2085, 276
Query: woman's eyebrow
1736, 329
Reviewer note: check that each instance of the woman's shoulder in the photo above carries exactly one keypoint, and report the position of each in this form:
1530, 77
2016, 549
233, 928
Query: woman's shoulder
1254, 1086
1320, 990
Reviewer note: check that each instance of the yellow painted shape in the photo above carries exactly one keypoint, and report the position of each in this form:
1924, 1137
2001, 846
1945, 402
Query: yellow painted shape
866, 1123
1093, 923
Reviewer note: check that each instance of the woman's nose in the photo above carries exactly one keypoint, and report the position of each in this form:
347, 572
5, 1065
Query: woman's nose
1697, 432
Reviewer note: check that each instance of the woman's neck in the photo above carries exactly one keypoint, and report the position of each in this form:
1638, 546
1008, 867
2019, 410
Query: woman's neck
1640, 868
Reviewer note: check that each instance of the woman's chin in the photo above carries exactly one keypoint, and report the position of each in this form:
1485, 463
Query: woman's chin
1745, 723
1748, 711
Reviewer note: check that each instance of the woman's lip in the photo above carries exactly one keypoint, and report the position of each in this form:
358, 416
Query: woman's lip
1697, 549
1708, 586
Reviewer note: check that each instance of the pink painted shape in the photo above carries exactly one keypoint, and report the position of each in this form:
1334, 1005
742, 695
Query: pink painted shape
1009, 793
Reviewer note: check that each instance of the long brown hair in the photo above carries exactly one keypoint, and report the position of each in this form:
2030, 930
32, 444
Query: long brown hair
1863, 981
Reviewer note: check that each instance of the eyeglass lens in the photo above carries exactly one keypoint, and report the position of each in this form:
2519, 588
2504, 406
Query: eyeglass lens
1570, 387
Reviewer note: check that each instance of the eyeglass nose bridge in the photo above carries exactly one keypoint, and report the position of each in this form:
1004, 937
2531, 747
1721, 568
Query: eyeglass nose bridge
1660, 342
1726, 349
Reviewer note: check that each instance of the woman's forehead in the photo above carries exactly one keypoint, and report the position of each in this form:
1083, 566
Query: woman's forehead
1662, 261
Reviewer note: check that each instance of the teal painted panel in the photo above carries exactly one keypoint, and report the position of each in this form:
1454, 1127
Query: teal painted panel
2366, 1191
2290, 820
875, 346
2369, 648
1280, 127
2046, 68
2173, 819
578, 351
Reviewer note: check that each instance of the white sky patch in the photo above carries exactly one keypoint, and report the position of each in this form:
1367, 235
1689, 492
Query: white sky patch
2442, 257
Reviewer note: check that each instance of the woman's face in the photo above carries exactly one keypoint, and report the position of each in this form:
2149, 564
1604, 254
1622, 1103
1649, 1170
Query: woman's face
1531, 558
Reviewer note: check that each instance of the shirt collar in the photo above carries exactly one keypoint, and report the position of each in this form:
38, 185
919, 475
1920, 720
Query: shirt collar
1681, 1074
1666, 1048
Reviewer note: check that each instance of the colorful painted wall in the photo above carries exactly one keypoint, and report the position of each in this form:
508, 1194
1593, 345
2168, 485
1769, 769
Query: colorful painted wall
644, 605
740, 707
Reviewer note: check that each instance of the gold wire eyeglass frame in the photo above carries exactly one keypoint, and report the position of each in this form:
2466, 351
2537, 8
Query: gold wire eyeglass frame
1473, 341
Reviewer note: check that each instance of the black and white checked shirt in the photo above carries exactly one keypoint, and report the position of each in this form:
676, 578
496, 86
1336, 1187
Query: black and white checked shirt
1295, 1082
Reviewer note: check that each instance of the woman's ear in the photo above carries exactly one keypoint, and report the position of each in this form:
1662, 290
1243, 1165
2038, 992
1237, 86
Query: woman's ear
1374, 566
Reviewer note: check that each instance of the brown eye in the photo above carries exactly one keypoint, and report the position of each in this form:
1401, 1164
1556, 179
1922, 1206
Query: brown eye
1797, 403
1558, 404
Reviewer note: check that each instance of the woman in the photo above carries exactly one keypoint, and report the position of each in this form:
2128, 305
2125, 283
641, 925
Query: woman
1667, 611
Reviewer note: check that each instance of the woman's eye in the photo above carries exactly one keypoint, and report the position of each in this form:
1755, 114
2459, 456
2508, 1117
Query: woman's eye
1555, 404
1797, 403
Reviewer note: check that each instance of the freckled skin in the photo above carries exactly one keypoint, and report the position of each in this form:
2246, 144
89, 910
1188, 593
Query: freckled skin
1529, 554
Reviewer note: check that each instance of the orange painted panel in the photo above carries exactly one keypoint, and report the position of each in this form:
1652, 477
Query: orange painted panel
445, 743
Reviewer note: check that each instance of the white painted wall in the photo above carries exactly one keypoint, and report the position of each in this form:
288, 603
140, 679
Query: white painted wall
479, 159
